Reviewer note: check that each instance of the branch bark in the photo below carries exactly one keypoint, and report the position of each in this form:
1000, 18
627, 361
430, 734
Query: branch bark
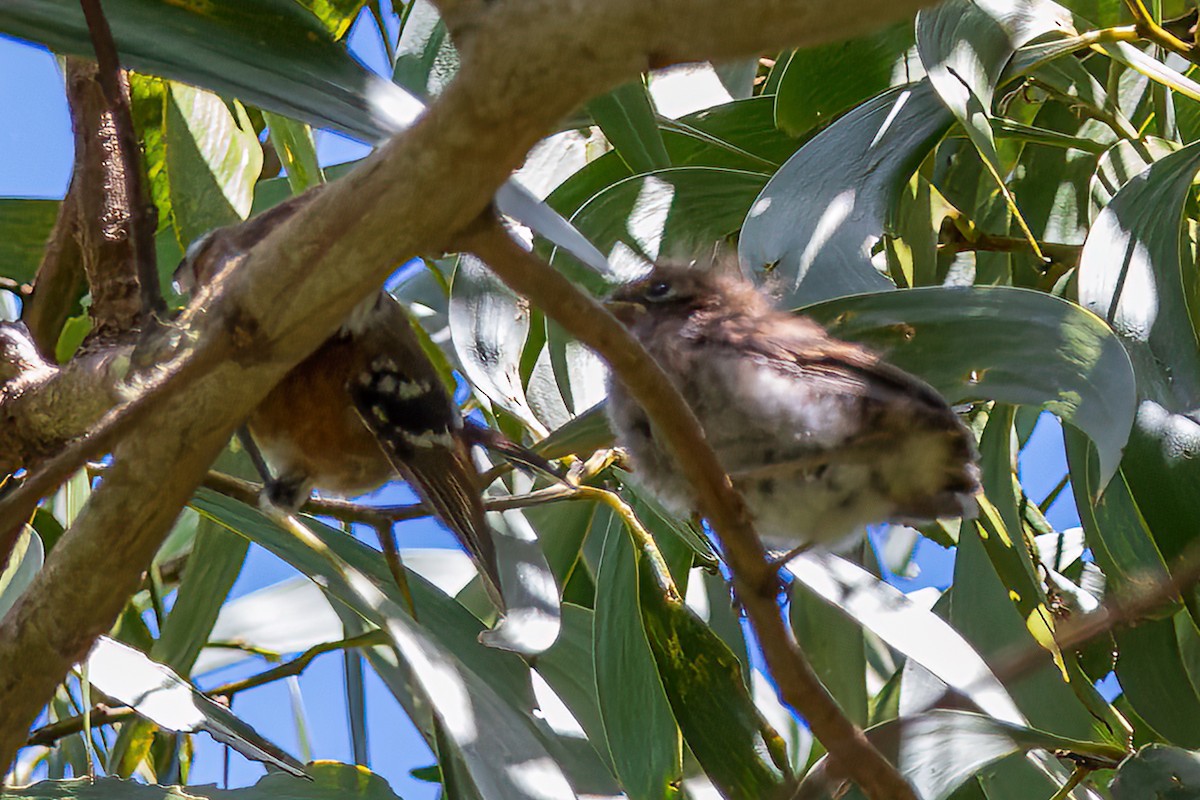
412, 196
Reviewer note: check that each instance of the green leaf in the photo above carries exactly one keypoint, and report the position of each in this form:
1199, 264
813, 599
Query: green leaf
1150, 663
819, 83
1153, 676
920, 748
834, 645
425, 57
981, 611
25, 226
965, 45
157, 693
670, 213
915, 632
812, 230
1011, 345
488, 325
1131, 274
286, 617
293, 142
330, 781
704, 683
533, 619
298, 71
1158, 772
23, 563
214, 565
213, 160
466, 696
626, 116
568, 666
335, 15
639, 727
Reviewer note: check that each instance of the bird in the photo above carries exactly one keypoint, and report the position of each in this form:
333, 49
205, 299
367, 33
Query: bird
821, 436
365, 407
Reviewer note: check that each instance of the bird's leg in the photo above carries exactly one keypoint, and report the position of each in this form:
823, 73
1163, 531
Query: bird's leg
256, 456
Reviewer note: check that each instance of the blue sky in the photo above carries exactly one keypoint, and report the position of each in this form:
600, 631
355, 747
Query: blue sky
35, 135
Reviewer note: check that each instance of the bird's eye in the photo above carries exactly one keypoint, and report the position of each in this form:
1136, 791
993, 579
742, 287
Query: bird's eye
658, 291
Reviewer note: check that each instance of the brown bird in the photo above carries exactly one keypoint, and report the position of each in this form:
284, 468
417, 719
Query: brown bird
366, 406
821, 436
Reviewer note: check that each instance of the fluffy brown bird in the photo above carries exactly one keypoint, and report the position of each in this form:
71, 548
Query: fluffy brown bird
365, 407
820, 436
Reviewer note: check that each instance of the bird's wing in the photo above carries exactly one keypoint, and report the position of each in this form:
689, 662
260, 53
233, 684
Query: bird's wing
402, 402
797, 345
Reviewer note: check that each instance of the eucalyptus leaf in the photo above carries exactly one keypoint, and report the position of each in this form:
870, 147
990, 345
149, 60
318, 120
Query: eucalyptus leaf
298, 71
161, 696
811, 231
821, 82
533, 619
1157, 772
939, 750
965, 45
917, 633
639, 726
24, 562
676, 213
425, 58
25, 227
626, 115
468, 685
488, 326
213, 159
1012, 345
1131, 274
286, 617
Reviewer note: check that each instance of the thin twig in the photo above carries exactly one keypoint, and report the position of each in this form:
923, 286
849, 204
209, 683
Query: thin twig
754, 580
347, 511
1114, 613
100, 714
298, 664
1063, 253
1150, 30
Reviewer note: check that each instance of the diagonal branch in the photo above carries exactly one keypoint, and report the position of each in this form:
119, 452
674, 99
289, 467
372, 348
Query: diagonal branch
755, 580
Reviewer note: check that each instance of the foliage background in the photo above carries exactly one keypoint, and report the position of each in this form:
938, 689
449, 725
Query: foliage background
1006, 268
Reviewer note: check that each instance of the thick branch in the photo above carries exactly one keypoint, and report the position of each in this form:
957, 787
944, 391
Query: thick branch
755, 581
141, 217
411, 196
43, 404
105, 222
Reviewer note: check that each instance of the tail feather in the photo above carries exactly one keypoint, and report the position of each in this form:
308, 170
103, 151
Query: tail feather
446, 481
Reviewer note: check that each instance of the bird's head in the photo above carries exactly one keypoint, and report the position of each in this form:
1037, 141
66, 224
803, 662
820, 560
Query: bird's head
677, 293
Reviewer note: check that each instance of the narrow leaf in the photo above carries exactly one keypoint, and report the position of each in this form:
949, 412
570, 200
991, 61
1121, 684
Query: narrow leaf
167, 700
814, 226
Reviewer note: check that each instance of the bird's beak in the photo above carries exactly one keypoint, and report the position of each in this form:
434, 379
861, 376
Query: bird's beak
625, 311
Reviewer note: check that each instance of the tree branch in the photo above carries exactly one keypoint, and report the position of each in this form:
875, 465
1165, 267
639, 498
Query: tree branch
127, 195
411, 196
755, 580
